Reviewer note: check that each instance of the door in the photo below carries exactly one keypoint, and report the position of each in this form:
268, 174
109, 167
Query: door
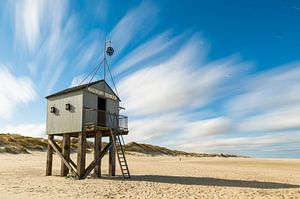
101, 117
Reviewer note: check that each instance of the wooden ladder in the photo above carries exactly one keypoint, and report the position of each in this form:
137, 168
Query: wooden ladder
119, 145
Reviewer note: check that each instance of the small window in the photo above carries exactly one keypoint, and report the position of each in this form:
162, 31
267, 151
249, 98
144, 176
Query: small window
68, 107
52, 109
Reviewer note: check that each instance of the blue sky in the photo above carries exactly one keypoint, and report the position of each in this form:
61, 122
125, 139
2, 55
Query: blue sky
203, 76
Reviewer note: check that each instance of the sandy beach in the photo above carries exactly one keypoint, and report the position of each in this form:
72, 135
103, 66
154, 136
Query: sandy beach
23, 176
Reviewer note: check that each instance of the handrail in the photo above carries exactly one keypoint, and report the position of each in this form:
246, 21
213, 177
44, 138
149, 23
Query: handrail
112, 120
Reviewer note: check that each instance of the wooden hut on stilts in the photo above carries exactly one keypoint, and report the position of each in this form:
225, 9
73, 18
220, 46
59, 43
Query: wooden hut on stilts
90, 110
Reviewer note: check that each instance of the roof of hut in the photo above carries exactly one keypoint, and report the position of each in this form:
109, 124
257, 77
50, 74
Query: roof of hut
81, 87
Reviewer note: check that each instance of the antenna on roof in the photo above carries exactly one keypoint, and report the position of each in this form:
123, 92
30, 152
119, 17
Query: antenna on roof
108, 51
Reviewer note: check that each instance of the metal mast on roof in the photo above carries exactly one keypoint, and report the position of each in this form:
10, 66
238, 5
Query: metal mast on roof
108, 50
104, 63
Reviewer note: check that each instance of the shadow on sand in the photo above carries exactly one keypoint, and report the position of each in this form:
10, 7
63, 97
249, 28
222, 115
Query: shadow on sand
184, 180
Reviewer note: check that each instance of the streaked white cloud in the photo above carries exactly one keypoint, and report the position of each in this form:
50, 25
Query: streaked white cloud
243, 144
162, 97
207, 127
28, 16
287, 118
79, 79
269, 101
154, 127
270, 90
88, 54
32, 68
179, 82
146, 50
34, 130
59, 28
267, 145
136, 22
90, 49
14, 91
262, 103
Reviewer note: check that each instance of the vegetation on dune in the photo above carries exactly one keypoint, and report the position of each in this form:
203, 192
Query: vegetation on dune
157, 150
16, 144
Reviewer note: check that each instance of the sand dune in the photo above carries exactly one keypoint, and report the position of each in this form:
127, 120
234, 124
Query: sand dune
22, 176
17, 144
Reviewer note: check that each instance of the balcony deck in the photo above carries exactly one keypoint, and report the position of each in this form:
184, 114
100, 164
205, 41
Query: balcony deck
91, 129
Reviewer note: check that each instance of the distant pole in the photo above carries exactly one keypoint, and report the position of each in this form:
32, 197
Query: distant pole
104, 62
105, 52
104, 65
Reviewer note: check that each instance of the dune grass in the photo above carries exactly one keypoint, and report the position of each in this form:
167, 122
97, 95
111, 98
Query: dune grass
17, 144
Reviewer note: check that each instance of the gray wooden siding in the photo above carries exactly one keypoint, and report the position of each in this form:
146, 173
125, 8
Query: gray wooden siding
65, 121
100, 86
90, 100
113, 108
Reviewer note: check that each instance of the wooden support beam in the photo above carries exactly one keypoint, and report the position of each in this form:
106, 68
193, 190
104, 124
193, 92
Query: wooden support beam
97, 151
72, 163
81, 153
49, 157
66, 153
70, 160
58, 151
94, 162
112, 159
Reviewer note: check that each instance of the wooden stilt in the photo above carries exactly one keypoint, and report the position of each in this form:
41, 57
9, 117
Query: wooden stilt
81, 154
49, 157
112, 159
94, 162
97, 151
65, 153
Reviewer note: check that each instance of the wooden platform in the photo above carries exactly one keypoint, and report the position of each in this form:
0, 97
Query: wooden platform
92, 129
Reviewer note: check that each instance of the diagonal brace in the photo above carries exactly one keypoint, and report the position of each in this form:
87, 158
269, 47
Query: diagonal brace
95, 162
58, 151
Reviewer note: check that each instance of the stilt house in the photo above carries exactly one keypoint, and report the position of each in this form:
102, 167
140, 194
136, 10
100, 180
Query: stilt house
86, 111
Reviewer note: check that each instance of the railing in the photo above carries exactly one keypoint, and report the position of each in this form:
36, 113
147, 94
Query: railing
104, 118
123, 122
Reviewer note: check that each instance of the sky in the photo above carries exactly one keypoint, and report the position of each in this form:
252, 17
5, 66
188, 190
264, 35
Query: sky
220, 76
